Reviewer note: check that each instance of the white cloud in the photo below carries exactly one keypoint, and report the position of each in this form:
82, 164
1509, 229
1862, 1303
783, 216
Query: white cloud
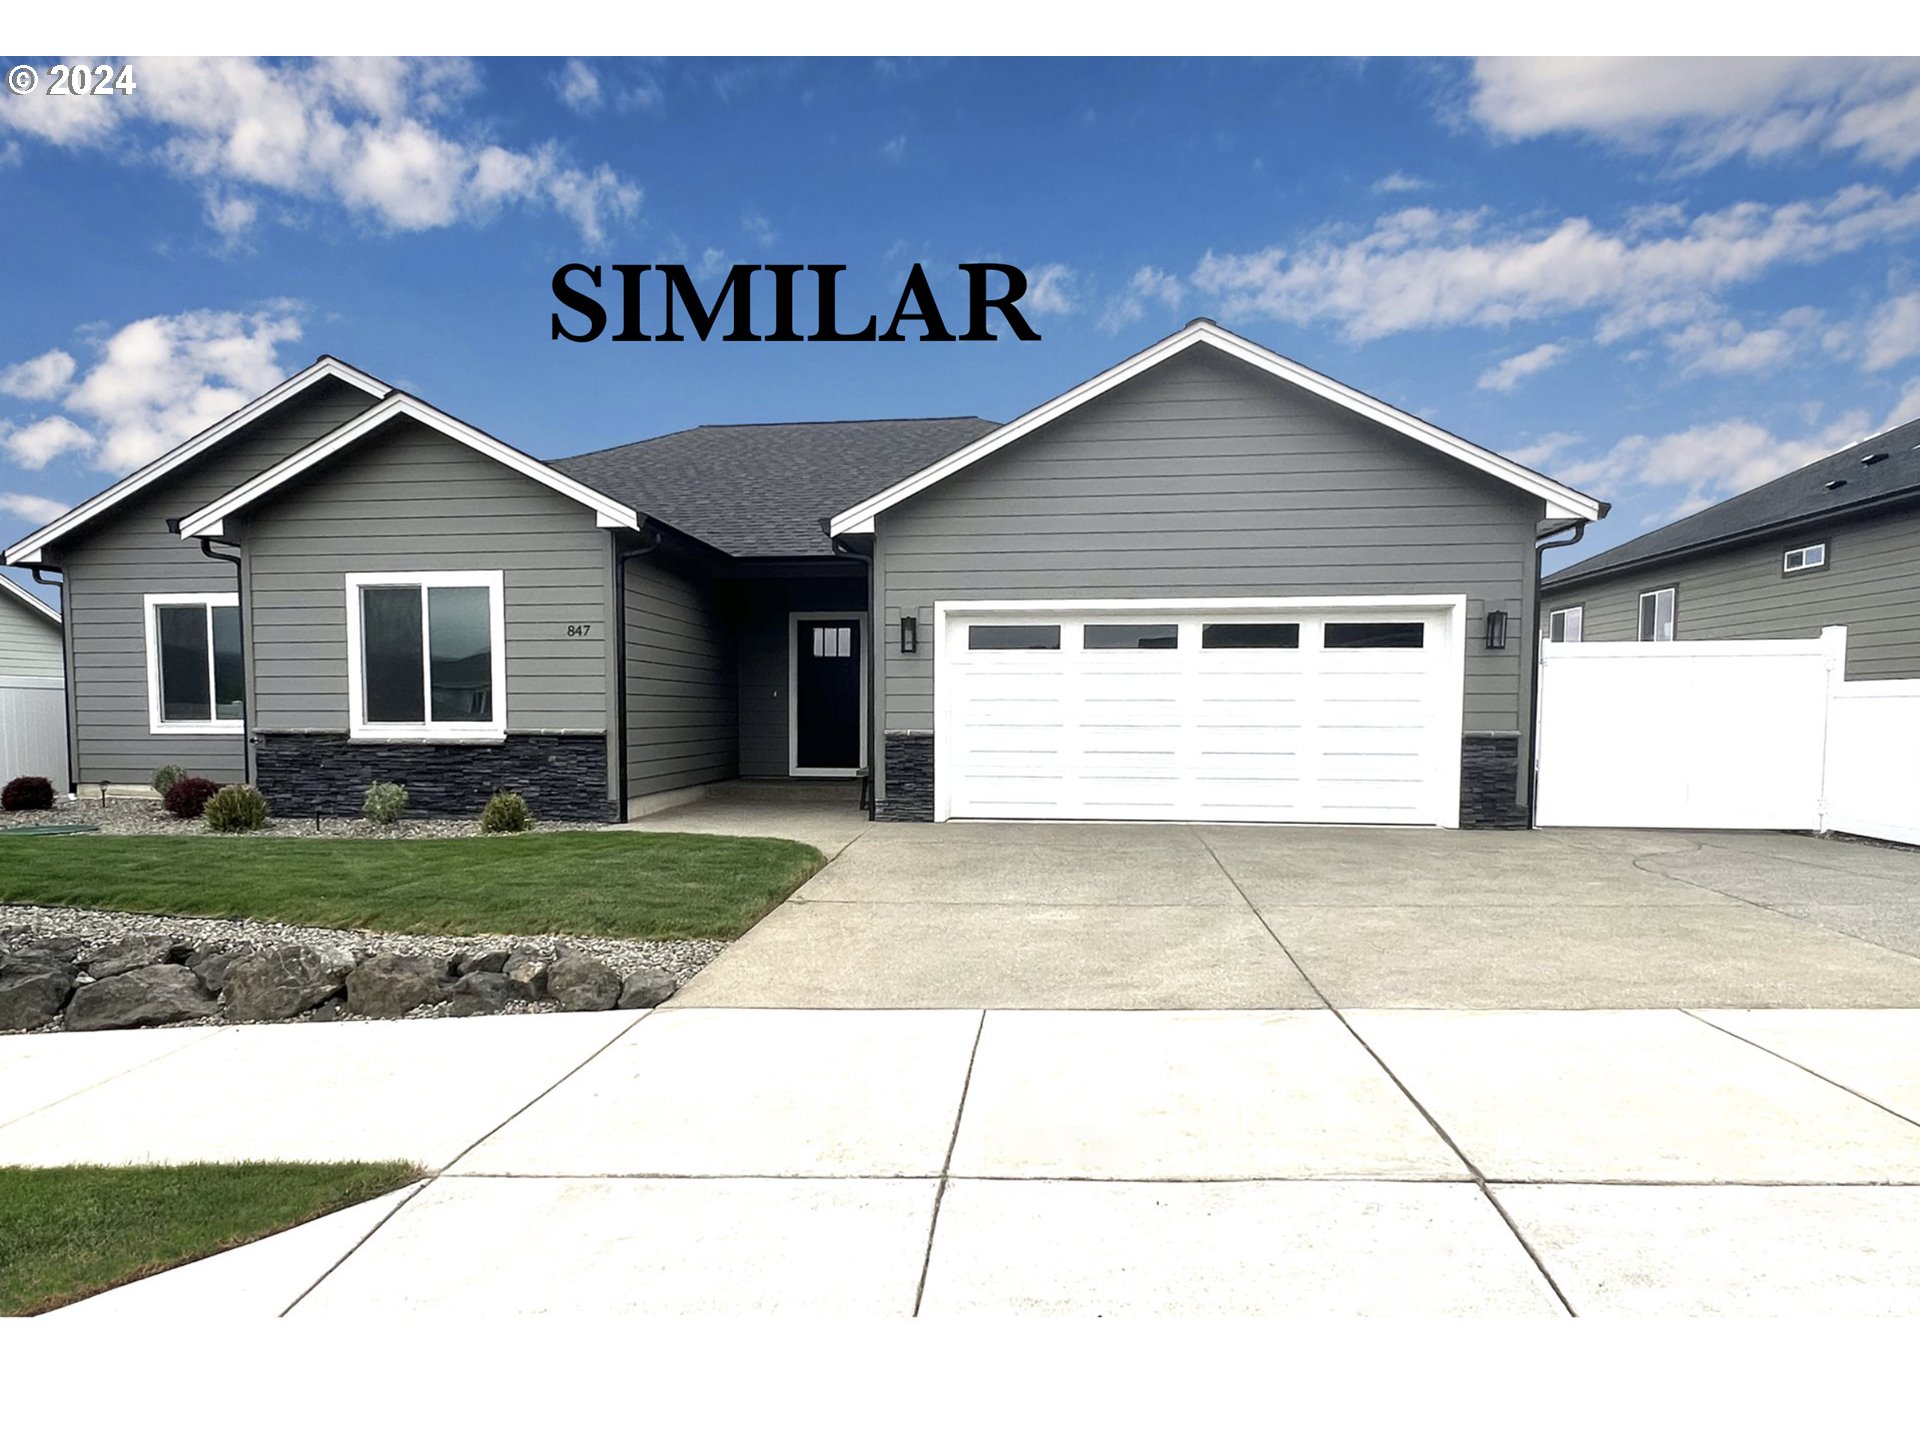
32, 446
9, 155
579, 87
1708, 110
41, 378
1707, 462
34, 509
1148, 286
1721, 345
1515, 368
895, 149
1893, 334
759, 230
710, 264
162, 379
1906, 408
378, 137
1541, 451
1422, 269
1399, 183
1050, 291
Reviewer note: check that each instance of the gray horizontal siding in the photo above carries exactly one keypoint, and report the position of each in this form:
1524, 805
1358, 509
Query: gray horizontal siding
409, 498
1871, 585
1206, 478
765, 627
110, 566
682, 717
29, 642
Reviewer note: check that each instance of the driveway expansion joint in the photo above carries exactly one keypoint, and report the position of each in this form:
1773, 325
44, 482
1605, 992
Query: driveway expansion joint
946, 1166
1808, 1069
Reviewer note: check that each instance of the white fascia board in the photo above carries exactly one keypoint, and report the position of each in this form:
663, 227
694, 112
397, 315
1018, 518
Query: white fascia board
858, 520
30, 551
32, 601
207, 521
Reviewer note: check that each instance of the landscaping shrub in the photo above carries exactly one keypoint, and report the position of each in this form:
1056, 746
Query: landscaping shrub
236, 807
27, 792
506, 812
187, 798
168, 776
386, 802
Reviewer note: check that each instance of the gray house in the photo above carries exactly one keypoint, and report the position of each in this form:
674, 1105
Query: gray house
33, 738
1836, 542
1207, 584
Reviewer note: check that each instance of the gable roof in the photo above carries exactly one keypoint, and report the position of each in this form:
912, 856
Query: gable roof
32, 602
29, 551
398, 405
762, 490
1836, 483
1562, 502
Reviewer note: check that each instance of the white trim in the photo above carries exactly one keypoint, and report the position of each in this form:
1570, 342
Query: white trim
428, 730
858, 618
156, 721
1563, 502
1673, 617
28, 551
1455, 675
206, 521
29, 599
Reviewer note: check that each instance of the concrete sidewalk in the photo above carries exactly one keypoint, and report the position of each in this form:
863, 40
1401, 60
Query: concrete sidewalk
887, 1163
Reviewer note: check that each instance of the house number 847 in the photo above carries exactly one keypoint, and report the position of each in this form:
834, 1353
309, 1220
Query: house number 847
573, 630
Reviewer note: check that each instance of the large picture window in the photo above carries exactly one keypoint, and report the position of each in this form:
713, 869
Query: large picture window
196, 679
426, 656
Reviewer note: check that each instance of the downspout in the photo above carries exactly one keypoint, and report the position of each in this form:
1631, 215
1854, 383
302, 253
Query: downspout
876, 646
1533, 681
620, 558
66, 670
240, 617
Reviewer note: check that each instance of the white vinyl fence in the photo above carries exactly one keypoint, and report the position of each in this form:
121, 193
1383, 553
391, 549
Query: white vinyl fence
33, 729
1726, 735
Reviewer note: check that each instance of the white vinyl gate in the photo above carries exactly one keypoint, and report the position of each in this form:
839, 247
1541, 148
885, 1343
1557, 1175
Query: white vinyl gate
33, 728
1725, 735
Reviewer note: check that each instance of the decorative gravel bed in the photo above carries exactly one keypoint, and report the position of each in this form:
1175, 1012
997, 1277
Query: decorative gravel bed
146, 817
88, 934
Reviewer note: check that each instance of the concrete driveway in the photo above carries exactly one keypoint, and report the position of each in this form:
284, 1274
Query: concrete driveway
938, 1162
1010, 916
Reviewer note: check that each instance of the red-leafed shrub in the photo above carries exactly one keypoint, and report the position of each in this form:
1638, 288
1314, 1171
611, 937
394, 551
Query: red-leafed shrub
28, 792
188, 798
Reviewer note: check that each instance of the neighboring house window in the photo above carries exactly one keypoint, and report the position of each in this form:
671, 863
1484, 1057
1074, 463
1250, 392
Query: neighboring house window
1564, 625
196, 680
1807, 557
426, 656
1656, 615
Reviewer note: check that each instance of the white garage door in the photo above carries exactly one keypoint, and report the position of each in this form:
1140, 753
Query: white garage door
1329, 715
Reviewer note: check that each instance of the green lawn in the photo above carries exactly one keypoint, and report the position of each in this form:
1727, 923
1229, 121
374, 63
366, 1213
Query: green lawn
636, 886
72, 1232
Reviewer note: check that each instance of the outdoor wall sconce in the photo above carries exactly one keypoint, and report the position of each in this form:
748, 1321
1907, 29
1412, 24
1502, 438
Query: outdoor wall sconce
1496, 629
909, 634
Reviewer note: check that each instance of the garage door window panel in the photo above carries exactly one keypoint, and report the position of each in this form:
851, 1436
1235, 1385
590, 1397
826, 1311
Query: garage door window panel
1013, 637
1375, 635
1131, 637
1244, 636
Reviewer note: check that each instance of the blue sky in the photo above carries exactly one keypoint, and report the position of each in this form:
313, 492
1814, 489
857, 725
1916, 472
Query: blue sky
1661, 282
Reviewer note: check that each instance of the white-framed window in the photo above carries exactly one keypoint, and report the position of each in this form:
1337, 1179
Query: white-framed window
1564, 625
1656, 614
1804, 557
426, 656
196, 675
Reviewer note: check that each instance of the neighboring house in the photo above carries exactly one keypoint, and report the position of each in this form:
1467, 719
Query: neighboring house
33, 726
1836, 542
1206, 584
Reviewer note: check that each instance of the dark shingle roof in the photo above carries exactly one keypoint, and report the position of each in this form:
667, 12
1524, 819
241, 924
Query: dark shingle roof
758, 490
1795, 498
